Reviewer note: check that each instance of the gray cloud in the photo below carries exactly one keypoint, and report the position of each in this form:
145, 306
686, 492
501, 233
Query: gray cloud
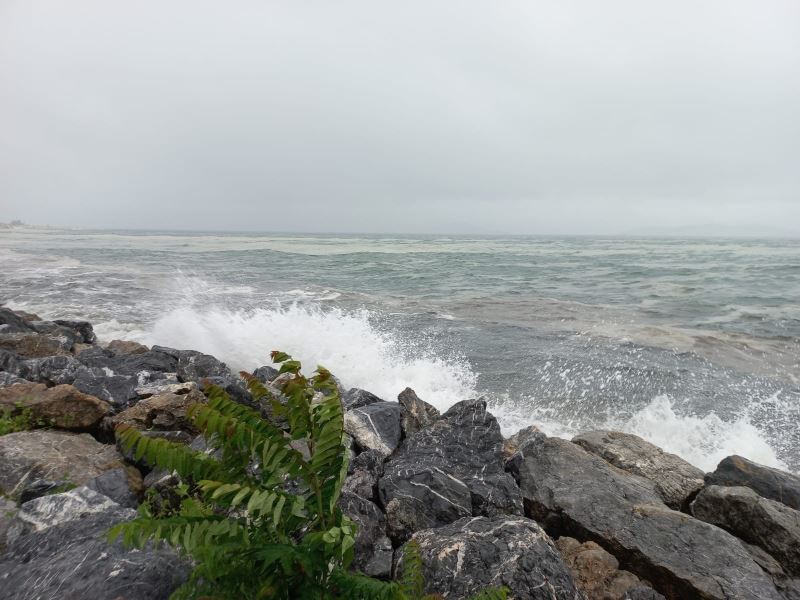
517, 117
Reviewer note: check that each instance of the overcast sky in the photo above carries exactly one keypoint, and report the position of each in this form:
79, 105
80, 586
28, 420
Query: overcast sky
474, 117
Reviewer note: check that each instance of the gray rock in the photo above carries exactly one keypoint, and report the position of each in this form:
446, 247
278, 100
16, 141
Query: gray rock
35, 345
169, 385
373, 551
73, 559
58, 456
116, 484
449, 470
467, 556
52, 370
8, 510
196, 366
375, 426
8, 379
416, 413
83, 329
152, 361
363, 474
768, 482
578, 494
10, 362
265, 374
11, 322
766, 523
117, 390
356, 398
676, 480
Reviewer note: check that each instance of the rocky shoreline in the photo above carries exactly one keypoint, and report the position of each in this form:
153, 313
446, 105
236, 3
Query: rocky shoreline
606, 516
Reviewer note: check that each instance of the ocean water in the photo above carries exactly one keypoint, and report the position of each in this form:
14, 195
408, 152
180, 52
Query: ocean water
692, 344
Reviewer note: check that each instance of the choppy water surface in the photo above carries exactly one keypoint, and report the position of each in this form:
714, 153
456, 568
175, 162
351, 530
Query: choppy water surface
693, 344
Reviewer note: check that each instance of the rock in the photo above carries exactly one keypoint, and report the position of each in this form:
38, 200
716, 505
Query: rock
7, 379
169, 385
676, 480
41, 487
83, 329
62, 406
9, 362
34, 345
58, 456
465, 557
769, 483
121, 347
118, 390
196, 366
766, 523
47, 511
122, 485
8, 510
356, 398
416, 414
375, 426
165, 412
449, 470
596, 572
529, 435
373, 551
235, 388
578, 494
52, 370
152, 361
73, 559
265, 374
11, 322
363, 474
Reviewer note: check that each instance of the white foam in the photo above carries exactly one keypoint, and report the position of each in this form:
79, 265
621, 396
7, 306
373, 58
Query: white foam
350, 344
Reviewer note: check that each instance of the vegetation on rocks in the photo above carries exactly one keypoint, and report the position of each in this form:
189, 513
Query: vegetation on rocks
21, 419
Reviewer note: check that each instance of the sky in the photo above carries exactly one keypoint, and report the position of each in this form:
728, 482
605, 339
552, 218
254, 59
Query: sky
529, 117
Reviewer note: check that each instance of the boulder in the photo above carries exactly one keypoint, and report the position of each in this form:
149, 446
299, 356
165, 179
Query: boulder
363, 474
356, 398
578, 494
122, 485
10, 362
416, 414
676, 480
766, 481
449, 470
62, 406
152, 361
120, 347
8, 510
168, 385
375, 426
529, 435
597, 573
7, 379
35, 345
57, 456
118, 390
165, 412
12, 322
196, 366
472, 554
373, 551
72, 558
83, 329
766, 523
266, 374
51, 370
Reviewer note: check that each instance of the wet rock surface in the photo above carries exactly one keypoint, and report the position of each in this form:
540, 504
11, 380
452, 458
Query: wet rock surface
416, 413
61, 406
676, 480
766, 481
469, 555
375, 426
373, 551
575, 493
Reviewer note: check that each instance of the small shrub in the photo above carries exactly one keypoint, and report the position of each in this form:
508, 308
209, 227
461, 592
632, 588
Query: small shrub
18, 419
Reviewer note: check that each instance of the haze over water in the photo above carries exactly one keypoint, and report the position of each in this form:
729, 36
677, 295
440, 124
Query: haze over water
691, 343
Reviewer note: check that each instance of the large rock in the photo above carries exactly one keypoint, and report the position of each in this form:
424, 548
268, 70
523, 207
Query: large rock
56, 456
51, 370
449, 470
416, 413
196, 366
71, 558
676, 480
152, 361
356, 398
373, 551
597, 573
35, 345
768, 482
83, 330
766, 523
8, 511
266, 374
164, 412
11, 322
118, 390
375, 426
120, 347
61, 406
578, 494
472, 554
363, 474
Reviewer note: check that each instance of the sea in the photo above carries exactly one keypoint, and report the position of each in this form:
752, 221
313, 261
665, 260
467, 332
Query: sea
693, 344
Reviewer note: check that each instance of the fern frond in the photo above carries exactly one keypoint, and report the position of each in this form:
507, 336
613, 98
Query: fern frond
412, 580
354, 586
